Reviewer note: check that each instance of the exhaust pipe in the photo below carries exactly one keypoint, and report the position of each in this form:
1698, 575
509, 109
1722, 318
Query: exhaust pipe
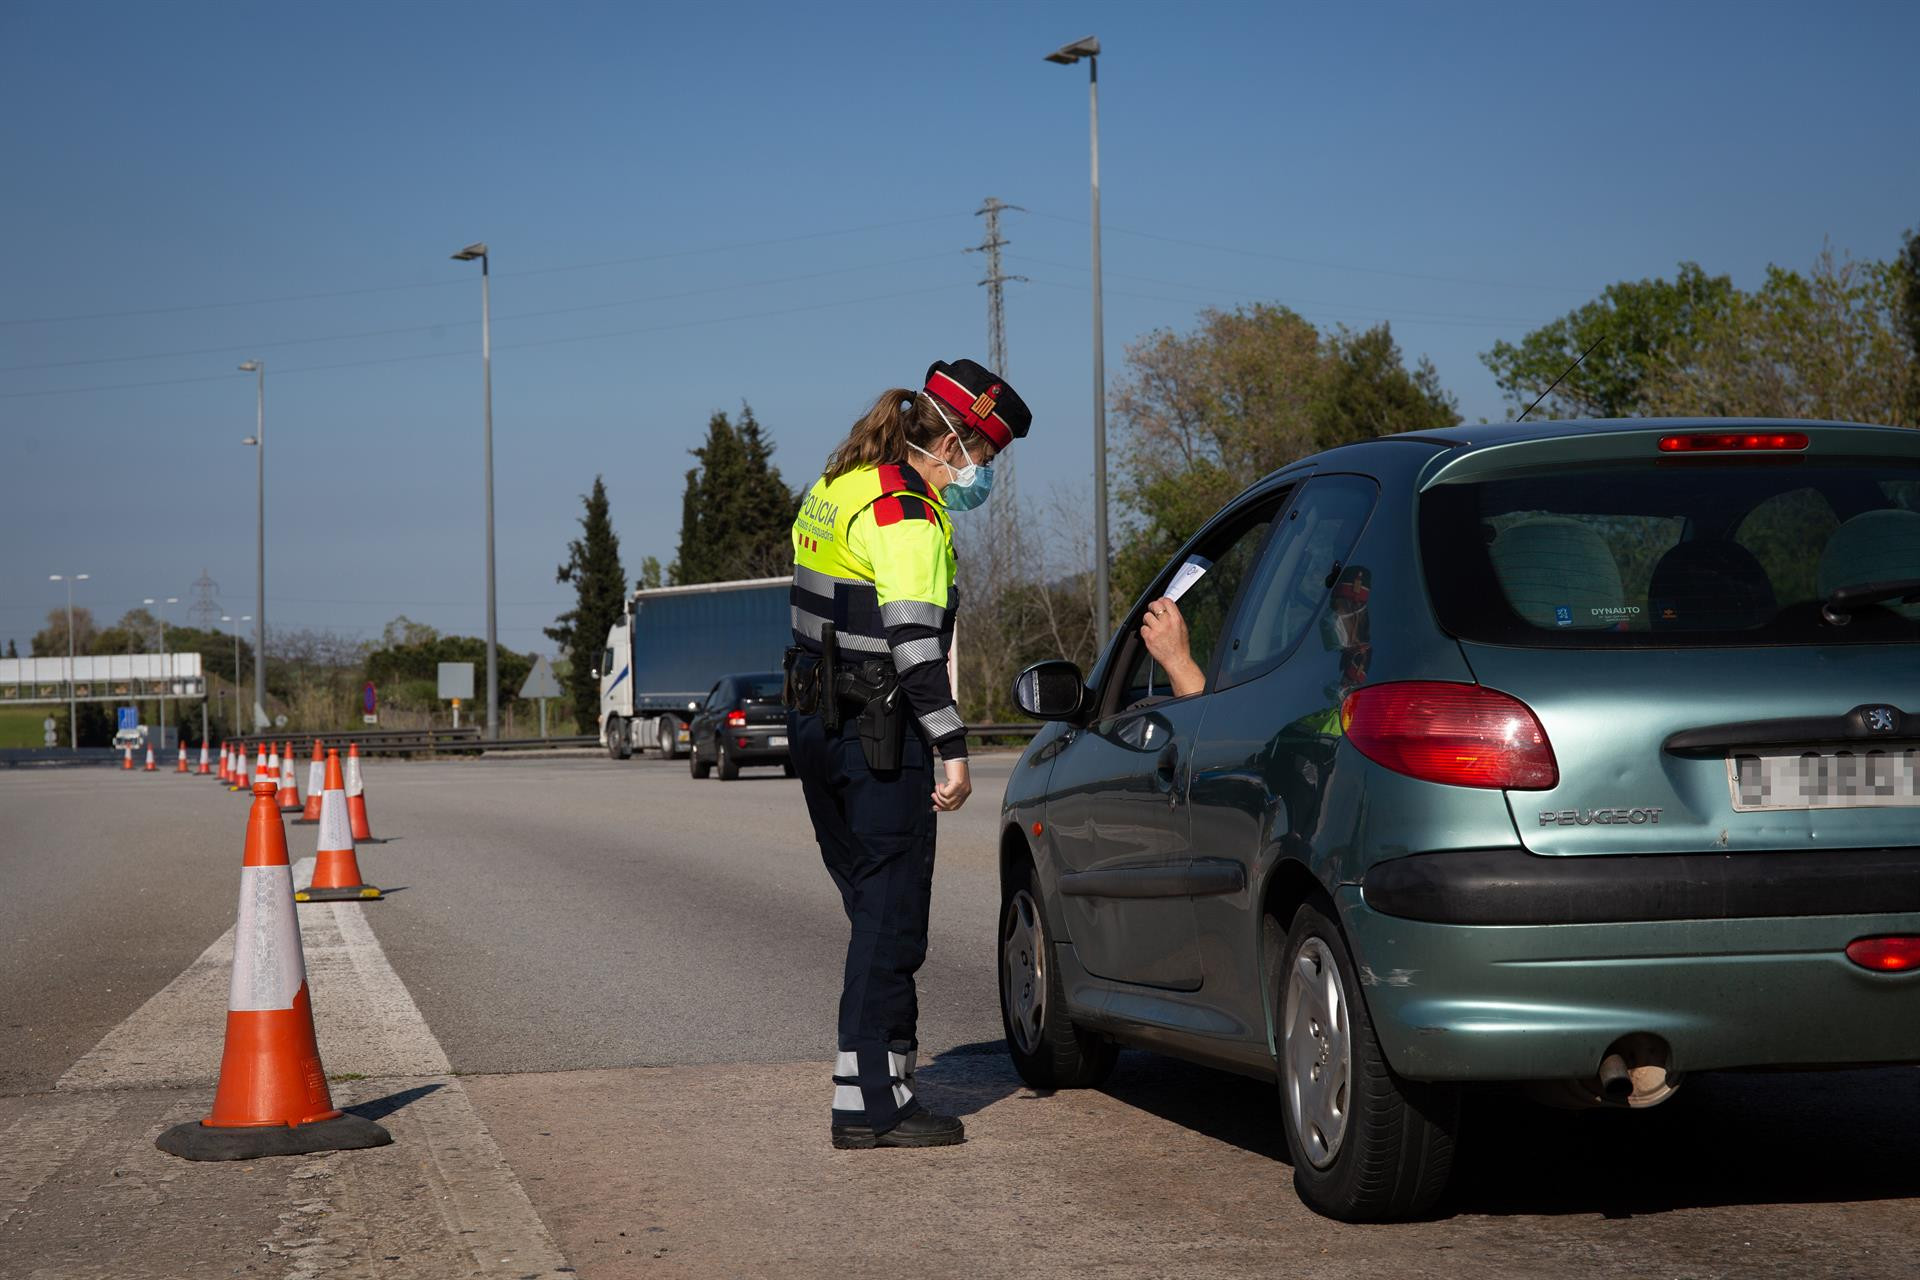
1616, 1081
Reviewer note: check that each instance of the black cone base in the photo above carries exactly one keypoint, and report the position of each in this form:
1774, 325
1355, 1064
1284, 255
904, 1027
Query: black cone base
351, 893
304, 822
345, 1132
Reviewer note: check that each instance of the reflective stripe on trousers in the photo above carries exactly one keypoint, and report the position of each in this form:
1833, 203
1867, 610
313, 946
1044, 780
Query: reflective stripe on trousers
876, 835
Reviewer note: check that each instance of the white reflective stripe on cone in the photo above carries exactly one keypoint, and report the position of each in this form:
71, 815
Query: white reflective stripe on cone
846, 1097
268, 965
336, 833
354, 786
317, 778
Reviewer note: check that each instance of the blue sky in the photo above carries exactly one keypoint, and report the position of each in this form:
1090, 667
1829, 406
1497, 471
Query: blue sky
689, 206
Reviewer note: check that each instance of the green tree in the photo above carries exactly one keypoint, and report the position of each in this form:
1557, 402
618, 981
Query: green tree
736, 511
1202, 415
651, 574
1632, 328
600, 586
1827, 343
51, 640
1909, 287
13, 650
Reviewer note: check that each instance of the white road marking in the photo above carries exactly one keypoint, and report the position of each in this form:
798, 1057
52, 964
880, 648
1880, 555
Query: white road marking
368, 1025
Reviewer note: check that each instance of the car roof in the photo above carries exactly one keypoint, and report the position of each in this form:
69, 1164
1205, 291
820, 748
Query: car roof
1491, 433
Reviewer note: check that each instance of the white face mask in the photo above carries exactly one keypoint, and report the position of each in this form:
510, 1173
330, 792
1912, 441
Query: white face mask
971, 483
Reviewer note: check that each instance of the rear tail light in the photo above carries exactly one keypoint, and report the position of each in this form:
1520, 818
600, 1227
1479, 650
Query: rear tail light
1886, 955
1732, 441
736, 719
1464, 735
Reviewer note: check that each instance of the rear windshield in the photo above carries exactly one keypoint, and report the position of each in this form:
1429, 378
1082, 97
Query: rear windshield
1657, 554
760, 688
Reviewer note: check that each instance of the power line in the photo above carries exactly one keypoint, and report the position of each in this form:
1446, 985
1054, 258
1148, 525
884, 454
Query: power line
442, 284
991, 245
455, 324
516, 346
1321, 262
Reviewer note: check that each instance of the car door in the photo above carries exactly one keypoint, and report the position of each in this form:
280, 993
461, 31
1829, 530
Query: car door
1117, 806
707, 721
1298, 643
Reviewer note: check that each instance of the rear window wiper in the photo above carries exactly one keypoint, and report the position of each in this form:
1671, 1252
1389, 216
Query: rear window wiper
1842, 601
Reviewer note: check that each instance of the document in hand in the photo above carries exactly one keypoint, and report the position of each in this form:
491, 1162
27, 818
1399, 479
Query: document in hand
1186, 575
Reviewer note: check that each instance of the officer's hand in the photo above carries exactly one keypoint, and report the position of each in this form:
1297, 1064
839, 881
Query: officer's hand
951, 794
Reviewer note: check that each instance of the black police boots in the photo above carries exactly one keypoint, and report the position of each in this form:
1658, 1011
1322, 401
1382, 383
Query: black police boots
921, 1129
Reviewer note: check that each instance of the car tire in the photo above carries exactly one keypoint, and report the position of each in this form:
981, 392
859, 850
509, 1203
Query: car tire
729, 767
1048, 1050
695, 765
619, 747
1366, 1146
665, 733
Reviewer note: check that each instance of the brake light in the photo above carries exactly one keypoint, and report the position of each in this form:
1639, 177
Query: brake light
735, 719
1886, 955
1463, 735
1733, 441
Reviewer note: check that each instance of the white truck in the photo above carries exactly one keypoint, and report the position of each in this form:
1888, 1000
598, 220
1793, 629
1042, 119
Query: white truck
669, 648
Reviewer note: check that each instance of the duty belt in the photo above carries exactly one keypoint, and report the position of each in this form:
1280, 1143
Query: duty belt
868, 689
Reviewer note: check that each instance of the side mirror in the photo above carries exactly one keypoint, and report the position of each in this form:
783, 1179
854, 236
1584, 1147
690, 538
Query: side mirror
1051, 690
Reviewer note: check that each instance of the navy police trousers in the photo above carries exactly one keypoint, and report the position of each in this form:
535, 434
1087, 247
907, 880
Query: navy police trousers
876, 836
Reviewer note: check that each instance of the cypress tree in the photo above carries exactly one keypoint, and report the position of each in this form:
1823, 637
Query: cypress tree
735, 512
593, 566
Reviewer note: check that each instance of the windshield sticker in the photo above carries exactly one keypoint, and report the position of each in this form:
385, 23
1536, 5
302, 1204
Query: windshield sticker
1563, 615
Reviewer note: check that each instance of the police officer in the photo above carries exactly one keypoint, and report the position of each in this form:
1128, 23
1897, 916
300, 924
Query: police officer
870, 707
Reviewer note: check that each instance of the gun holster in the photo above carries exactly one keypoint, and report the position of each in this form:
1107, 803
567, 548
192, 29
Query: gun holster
869, 690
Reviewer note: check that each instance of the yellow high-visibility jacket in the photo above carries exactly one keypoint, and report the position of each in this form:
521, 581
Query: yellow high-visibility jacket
873, 555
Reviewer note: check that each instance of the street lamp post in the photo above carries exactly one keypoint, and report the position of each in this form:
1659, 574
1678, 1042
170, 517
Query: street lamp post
468, 254
245, 617
73, 708
166, 676
259, 441
1067, 55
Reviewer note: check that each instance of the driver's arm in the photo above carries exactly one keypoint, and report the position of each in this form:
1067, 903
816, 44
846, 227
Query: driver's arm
1164, 631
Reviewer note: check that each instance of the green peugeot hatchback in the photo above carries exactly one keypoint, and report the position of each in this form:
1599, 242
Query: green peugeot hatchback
1581, 755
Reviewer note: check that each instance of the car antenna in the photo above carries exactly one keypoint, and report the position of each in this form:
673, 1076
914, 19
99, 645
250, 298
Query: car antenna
1562, 378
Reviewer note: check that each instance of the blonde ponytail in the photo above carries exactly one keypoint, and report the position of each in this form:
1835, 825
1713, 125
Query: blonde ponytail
897, 418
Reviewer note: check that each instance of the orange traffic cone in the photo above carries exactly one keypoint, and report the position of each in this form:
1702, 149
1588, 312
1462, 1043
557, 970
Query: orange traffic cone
180, 765
272, 1098
289, 797
336, 872
357, 798
206, 765
151, 766
226, 764
250, 775
126, 761
316, 783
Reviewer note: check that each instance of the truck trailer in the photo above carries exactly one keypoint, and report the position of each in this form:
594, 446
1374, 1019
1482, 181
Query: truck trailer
669, 648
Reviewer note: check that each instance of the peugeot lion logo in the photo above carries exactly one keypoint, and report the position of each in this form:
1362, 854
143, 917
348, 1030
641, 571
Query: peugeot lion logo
1880, 719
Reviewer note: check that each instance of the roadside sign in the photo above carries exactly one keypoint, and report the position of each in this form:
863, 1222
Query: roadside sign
52, 731
280, 721
369, 701
456, 680
129, 719
540, 681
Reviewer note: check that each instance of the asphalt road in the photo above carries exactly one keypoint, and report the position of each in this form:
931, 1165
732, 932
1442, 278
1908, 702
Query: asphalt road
633, 977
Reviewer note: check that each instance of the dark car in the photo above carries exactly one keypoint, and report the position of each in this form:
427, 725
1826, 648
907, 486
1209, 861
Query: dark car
1576, 756
742, 722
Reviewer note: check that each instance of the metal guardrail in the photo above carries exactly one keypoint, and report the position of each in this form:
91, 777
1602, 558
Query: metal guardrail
65, 757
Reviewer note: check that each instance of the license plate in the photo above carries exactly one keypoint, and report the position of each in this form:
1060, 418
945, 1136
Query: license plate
778, 740
1870, 778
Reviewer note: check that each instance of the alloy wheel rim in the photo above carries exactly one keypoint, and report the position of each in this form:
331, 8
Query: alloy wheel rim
1318, 1053
1023, 972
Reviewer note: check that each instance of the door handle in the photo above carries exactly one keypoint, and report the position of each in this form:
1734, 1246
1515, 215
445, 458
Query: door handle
1166, 768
